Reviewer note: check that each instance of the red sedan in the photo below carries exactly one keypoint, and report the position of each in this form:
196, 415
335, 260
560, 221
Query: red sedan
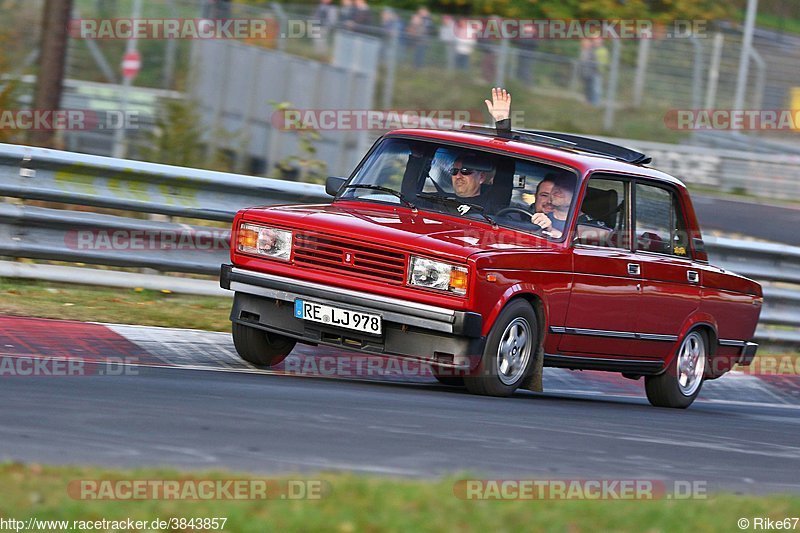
490, 254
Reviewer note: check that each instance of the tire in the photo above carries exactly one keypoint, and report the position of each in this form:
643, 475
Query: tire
680, 384
446, 378
509, 352
259, 347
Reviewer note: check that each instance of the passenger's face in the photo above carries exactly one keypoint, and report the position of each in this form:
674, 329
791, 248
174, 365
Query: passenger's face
543, 204
466, 186
560, 198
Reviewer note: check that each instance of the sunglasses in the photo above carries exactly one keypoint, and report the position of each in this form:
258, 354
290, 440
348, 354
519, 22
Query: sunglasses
464, 171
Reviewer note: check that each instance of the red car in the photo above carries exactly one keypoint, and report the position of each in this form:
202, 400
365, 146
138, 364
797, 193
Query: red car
490, 254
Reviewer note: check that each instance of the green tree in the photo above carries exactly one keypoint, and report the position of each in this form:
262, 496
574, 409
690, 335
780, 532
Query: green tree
304, 166
177, 138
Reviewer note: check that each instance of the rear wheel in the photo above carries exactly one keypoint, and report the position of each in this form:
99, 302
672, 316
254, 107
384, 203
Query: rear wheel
509, 352
259, 347
681, 383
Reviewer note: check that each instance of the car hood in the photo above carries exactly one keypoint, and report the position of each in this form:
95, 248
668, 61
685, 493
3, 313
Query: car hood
423, 232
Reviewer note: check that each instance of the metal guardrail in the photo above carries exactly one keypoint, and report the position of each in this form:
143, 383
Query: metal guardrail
66, 177
763, 175
761, 261
61, 234
81, 237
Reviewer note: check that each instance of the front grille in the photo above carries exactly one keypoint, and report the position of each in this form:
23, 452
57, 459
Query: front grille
349, 256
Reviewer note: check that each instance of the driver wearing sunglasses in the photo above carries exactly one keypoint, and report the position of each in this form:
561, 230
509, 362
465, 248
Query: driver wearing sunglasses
468, 174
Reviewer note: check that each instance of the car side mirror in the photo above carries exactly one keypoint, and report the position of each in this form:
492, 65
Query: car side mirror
333, 185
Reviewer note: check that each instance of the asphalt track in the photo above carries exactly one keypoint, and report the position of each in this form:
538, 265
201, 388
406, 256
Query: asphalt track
777, 223
186, 401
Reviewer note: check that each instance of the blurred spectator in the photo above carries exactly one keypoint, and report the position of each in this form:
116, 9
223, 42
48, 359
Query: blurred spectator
346, 14
362, 16
217, 9
418, 34
392, 26
593, 61
391, 23
447, 34
327, 15
465, 41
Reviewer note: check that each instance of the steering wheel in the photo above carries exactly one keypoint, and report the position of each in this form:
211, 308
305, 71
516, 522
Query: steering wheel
528, 215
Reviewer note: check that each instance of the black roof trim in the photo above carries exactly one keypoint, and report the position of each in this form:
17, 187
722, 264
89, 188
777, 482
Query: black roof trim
564, 141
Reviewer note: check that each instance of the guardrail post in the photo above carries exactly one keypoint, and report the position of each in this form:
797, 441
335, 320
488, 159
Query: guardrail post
697, 72
642, 61
713, 70
613, 80
120, 146
761, 65
392, 50
744, 57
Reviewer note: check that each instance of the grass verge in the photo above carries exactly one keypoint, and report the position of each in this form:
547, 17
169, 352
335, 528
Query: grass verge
776, 22
354, 503
103, 304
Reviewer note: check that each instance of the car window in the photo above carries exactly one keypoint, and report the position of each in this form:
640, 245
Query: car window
660, 225
603, 216
466, 182
388, 170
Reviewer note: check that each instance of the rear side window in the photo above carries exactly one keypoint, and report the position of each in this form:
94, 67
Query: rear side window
660, 225
603, 217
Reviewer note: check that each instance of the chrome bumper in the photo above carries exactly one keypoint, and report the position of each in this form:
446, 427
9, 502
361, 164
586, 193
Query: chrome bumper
413, 314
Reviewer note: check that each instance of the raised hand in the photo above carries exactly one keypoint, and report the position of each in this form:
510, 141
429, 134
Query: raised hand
500, 104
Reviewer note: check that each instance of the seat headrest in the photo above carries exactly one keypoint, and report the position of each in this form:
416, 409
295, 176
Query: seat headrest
601, 205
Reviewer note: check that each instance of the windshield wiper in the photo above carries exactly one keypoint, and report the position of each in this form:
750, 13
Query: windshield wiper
393, 192
457, 202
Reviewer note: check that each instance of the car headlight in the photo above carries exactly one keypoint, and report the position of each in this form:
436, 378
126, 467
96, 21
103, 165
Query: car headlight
264, 240
432, 274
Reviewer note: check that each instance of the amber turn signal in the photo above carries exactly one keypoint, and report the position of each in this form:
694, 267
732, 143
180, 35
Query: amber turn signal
248, 238
458, 279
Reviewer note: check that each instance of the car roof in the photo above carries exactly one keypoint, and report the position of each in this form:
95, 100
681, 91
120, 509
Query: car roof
581, 161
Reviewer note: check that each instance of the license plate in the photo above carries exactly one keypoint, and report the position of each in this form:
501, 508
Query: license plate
338, 317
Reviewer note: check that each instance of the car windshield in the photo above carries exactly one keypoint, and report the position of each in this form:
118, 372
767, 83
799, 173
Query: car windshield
467, 182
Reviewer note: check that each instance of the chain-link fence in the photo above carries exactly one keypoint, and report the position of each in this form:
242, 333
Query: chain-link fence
694, 70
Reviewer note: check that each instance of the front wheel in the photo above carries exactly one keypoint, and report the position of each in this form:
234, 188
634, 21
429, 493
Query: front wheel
680, 384
259, 347
509, 352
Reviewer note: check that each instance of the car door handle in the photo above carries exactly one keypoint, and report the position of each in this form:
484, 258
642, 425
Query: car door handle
634, 269
692, 276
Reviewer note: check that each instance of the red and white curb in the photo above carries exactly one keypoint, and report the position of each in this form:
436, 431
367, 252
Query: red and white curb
186, 349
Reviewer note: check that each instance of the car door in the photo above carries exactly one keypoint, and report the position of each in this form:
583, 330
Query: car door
671, 280
604, 300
